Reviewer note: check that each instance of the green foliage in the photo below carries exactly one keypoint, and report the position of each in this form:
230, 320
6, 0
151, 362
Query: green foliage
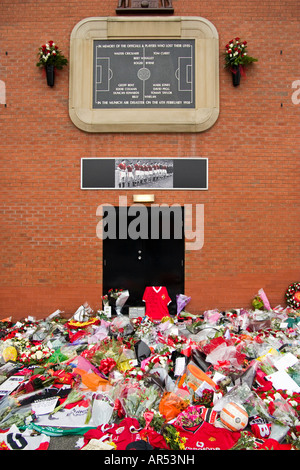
50, 54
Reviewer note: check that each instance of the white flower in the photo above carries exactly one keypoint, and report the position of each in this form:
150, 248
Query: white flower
39, 355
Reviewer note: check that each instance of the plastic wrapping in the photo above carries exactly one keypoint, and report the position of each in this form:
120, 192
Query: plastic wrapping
121, 300
181, 302
121, 367
238, 394
226, 356
136, 398
259, 321
171, 405
102, 409
121, 326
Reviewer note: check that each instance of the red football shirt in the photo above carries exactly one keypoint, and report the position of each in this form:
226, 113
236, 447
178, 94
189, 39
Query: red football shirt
157, 300
121, 434
205, 436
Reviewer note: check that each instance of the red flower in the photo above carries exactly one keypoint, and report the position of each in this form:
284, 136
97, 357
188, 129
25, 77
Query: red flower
118, 407
271, 408
106, 365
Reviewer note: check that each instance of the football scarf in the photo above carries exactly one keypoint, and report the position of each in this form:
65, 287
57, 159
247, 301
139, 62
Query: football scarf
14, 439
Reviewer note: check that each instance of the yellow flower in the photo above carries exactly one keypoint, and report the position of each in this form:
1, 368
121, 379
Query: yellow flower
113, 445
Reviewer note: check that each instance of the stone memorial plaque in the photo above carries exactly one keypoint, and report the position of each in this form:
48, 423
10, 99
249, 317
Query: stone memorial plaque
144, 74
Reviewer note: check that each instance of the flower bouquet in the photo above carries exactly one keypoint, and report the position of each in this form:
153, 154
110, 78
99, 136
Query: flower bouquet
36, 354
102, 409
152, 419
29, 353
171, 404
50, 58
74, 396
283, 406
189, 417
121, 326
50, 53
145, 331
293, 437
121, 300
155, 361
98, 355
115, 298
136, 398
181, 302
115, 293
247, 441
236, 58
173, 438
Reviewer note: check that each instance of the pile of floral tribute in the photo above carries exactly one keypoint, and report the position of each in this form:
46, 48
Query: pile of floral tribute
117, 381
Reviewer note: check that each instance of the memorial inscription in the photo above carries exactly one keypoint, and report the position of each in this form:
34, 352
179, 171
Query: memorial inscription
144, 74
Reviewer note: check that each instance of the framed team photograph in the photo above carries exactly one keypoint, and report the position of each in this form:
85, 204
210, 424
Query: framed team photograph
144, 173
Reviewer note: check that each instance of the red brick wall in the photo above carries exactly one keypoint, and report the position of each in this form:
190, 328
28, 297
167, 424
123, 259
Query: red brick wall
51, 257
